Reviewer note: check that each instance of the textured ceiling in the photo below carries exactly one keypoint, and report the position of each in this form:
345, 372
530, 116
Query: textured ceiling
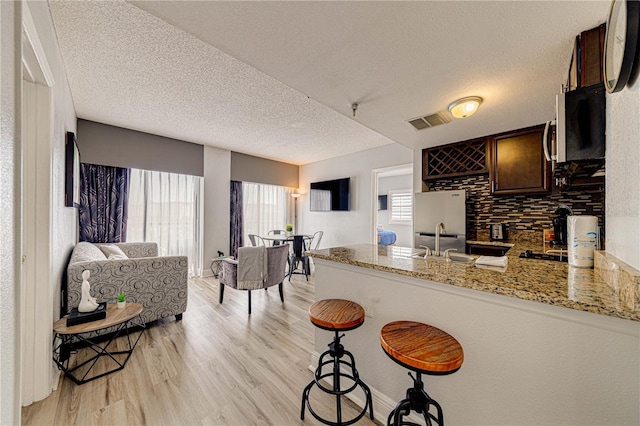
276, 79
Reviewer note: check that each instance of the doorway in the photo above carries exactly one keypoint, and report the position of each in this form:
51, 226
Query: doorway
391, 184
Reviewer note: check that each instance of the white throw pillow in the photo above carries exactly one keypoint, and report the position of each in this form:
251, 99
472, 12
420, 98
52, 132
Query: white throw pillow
112, 251
117, 256
87, 252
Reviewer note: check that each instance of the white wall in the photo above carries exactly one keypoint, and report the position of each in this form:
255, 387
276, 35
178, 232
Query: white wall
385, 184
10, 43
63, 220
217, 172
622, 191
354, 226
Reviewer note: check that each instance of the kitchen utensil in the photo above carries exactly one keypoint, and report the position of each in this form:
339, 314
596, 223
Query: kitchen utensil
560, 226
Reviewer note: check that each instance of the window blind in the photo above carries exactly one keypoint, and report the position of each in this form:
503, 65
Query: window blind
401, 207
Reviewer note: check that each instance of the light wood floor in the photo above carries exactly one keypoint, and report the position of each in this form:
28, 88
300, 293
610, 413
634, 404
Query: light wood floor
217, 366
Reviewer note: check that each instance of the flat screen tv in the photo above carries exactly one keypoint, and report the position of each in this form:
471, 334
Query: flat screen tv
382, 202
330, 195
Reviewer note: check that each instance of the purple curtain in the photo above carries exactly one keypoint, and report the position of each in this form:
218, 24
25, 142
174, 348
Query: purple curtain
237, 228
104, 196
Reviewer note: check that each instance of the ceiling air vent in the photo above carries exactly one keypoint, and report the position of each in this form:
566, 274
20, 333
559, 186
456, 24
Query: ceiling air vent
429, 120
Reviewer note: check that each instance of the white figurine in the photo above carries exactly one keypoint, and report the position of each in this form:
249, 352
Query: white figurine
87, 303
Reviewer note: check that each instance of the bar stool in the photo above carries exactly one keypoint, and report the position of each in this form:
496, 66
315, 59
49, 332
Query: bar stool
423, 349
337, 315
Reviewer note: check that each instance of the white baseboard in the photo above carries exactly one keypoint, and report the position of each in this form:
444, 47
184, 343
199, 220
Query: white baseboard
205, 273
55, 379
56, 373
382, 404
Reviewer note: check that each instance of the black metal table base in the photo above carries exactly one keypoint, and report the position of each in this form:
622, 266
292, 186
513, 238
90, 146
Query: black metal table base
335, 353
419, 401
62, 351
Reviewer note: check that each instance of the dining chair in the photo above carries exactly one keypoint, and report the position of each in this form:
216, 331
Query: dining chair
314, 243
297, 257
256, 240
315, 240
276, 232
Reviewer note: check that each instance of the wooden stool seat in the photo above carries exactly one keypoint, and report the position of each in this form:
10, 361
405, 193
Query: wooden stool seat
336, 314
421, 347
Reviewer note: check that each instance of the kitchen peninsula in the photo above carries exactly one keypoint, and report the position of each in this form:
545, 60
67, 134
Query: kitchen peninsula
543, 343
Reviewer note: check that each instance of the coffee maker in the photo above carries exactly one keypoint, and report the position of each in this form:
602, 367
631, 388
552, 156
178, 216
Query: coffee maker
560, 226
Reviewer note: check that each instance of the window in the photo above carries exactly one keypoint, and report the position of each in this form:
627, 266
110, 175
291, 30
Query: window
400, 207
165, 208
266, 207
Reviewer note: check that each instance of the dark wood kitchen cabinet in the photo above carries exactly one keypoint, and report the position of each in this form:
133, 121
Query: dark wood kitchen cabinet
592, 55
518, 164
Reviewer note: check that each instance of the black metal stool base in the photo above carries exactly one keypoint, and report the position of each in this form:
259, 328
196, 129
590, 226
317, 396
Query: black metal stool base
335, 353
419, 401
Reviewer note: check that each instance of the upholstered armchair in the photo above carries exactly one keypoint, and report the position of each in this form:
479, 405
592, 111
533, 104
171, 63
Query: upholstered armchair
276, 272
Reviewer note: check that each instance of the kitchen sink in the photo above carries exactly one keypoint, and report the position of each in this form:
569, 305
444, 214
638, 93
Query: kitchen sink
490, 249
453, 257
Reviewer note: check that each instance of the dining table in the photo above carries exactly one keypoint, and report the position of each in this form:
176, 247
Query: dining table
279, 239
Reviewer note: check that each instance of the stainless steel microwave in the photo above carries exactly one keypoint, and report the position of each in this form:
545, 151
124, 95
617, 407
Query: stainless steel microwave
580, 125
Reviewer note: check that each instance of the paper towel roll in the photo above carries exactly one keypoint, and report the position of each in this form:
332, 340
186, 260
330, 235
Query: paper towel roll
580, 283
583, 240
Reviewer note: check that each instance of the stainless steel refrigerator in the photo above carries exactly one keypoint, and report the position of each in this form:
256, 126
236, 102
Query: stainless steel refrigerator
431, 208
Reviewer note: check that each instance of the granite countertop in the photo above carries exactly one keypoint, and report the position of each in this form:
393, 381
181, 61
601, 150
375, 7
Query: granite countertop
612, 288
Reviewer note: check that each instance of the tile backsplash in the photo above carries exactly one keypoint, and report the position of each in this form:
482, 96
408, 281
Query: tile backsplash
521, 213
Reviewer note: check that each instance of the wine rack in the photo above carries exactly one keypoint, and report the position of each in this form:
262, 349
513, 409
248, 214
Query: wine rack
458, 159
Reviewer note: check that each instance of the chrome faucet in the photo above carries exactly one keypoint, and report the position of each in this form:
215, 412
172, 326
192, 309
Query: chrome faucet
439, 230
427, 251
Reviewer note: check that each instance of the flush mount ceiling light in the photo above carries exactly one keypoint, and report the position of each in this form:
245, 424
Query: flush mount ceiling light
465, 107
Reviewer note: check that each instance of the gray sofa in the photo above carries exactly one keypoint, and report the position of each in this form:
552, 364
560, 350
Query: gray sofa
158, 283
